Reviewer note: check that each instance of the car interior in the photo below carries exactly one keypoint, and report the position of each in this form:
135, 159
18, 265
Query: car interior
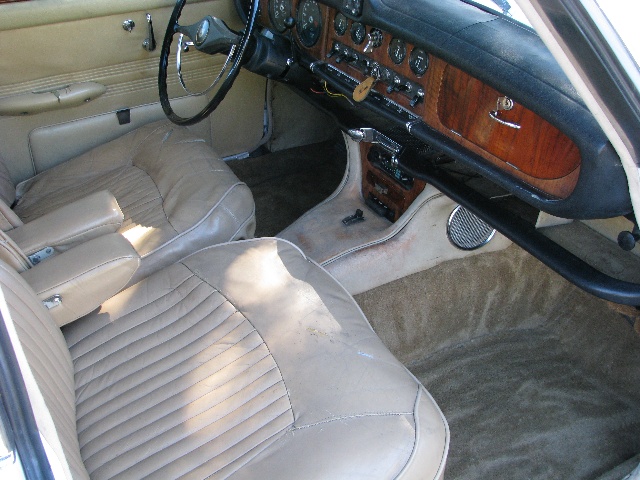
317, 239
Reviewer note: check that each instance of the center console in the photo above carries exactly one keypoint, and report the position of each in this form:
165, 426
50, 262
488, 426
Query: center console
386, 188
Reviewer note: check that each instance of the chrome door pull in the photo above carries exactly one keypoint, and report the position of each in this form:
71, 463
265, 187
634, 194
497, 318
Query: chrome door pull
149, 43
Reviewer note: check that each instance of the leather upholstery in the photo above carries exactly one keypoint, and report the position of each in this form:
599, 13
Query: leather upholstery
7, 189
48, 374
245, 360
85, 276
8, 218
12, 254
70, 225
176, 195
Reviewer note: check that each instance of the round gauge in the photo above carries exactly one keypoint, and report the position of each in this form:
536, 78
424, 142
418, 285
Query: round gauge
358, 33
419, 61
397, 51
309, 22
279, 11
340, 24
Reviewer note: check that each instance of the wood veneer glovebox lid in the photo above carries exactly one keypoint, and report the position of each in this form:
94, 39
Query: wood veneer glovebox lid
537, 149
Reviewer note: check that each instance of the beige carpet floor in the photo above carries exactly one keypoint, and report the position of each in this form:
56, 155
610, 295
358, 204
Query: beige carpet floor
536, 378
287, 183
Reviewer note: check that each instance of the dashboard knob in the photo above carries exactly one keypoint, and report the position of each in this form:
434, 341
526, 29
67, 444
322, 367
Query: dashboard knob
628, 240
419, 97
374, 40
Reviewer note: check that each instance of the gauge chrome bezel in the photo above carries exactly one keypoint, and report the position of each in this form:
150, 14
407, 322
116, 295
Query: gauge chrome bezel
313, 40
338, 31
418, 72
355, 26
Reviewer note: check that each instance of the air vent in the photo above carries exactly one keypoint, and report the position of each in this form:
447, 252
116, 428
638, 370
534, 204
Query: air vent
466, 231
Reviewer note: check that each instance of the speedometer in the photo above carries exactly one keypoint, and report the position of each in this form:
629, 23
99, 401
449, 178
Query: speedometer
309, 22
279, 11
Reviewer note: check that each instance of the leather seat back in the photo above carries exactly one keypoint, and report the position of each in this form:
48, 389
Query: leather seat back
7, 188
47, 370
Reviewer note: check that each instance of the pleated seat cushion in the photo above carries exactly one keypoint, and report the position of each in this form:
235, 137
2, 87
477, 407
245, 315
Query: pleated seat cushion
177, 196
244, 360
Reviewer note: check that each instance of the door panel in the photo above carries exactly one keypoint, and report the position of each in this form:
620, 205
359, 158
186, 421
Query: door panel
97, 49
54, 144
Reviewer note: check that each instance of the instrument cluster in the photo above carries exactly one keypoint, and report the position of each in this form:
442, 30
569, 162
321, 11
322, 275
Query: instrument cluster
397, 50
387, 63
307, 19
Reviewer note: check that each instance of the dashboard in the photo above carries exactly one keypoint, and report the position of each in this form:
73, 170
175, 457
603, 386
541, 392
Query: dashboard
447, 82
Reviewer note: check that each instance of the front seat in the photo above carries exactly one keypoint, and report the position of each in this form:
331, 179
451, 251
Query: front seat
244, 360
177, 196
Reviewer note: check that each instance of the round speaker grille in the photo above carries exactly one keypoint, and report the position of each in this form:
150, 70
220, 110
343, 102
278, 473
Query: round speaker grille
466, 231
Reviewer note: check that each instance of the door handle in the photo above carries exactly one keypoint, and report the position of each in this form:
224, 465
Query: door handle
50, 99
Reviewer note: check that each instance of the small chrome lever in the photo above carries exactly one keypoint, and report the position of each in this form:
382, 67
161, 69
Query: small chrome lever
503, 103
149, 43
374, 40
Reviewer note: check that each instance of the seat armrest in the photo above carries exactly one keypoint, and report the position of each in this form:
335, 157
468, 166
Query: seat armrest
71, 225
84, 276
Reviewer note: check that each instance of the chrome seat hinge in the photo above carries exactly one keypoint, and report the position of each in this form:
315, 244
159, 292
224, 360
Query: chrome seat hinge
53, 301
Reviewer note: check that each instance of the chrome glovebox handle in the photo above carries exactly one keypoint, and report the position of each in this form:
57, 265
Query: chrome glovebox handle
506, 104
494, 115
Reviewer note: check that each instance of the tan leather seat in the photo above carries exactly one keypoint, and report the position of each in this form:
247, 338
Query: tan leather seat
244, 360
177, 196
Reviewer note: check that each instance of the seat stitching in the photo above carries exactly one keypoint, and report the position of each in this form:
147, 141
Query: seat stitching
28, 307
59, 386
416, 432
355, 415
91, 364
53, 359
225, 431
202, 427
154, 346
200, 222
164, 372
266, 440
96, 267
72, 238
228, 210
133, 205
151, 302
77, 186
134, 200
134, 151
167, 428
161, 197
205, 280
244, 224
176, 394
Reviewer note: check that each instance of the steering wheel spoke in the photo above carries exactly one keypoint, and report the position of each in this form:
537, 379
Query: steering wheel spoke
210, 35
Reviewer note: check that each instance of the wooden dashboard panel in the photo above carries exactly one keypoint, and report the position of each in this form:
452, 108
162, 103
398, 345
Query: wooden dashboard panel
458, 105
525, 141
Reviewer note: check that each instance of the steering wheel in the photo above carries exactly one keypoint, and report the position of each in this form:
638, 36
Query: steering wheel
210, 35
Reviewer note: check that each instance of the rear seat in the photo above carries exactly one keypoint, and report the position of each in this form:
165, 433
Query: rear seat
244, 360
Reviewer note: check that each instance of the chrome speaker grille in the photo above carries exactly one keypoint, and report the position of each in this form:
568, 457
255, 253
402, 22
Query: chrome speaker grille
466, 231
